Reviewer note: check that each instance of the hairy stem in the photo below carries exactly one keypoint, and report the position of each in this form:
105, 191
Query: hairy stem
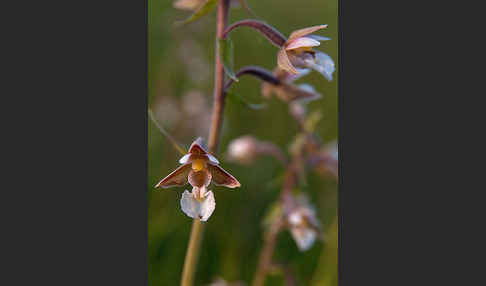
194, 246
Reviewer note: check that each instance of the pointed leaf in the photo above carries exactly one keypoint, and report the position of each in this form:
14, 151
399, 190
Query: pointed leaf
240, 101
226, 56
201, 11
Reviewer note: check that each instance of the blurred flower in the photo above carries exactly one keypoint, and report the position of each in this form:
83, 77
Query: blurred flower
188, 4
198, 168
193, 5
288, 92
303, 224
326, 160
243, 149
166, 109
194, 103
246, 149
297, 52
222, 282
192, 55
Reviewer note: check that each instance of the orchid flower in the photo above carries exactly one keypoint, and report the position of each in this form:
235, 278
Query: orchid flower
297, 52
303, 224
287, 91
198, 168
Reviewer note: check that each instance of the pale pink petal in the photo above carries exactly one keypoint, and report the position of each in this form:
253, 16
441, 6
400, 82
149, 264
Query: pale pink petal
188, 4
222, 178
176, 178
198, 209
305, 31
302, 42
284, 62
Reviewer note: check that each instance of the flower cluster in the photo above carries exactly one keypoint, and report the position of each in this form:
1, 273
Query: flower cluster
199, 168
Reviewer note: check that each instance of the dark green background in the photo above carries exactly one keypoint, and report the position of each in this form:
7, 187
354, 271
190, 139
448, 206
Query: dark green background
233, 236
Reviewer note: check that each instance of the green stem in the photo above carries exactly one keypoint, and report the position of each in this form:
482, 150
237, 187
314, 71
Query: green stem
197, 231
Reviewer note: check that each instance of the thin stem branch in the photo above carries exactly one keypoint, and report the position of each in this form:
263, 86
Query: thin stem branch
255, 71
197, 231
266, 254
174, 143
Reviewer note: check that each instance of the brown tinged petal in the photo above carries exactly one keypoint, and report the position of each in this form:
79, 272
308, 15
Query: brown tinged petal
223, 178
197, 147
199, 179
176, 178
284, 62
293, 92
305, 31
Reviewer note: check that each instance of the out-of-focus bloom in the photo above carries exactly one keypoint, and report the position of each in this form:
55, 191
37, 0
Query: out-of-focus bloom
188, 4
166, 109
326, 160
303, 224
243, 149
297, 52
198, 168
193, 5
222, 282
286, 90
246, 149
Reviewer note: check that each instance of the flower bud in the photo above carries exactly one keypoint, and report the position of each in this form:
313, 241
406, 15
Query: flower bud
243, 150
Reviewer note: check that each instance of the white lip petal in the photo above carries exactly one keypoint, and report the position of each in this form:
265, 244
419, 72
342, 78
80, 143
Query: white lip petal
324, 64
304, 237
302, 42
198, 209
212, 159
184, 159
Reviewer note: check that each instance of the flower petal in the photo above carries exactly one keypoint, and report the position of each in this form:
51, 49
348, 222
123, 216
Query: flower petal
199, 179
176, 178
293, 92
198, 209
185, 159
197, 147
324, 64
302, 42
284, 62
212, 159
222, 178
304, 237
319, 38
305, 31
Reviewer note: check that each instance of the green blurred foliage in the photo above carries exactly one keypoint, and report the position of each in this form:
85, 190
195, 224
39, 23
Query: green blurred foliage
180, 62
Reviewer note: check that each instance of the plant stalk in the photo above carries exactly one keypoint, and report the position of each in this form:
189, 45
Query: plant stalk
197, 231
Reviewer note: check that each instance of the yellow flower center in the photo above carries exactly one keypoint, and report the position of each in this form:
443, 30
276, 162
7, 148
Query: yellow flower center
198, 165
301, 50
